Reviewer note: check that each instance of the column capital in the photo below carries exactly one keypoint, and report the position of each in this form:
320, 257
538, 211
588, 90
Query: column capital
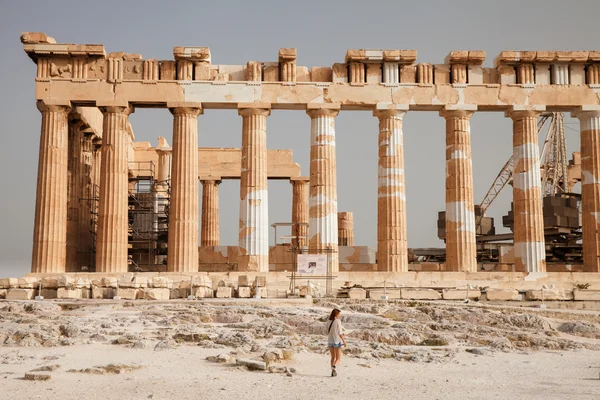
247, 109
462, 111
127, 110
213, 180
299, 179
389, 113
322, 109
586, 112
518, 112
44, 106
193, 109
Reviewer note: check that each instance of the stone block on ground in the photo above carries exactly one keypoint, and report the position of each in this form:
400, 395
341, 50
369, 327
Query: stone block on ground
81, 283
20, 294
50, 282
7, 283
103, 292
129, 293
49, 293
244, 292
224, 292
177, 293
460, 294
109, 282
67, 293
261, 292
203, 292
3, 293
589, 295
36, 377
357, 293
64, 281
157, 294
502, 295
377, 293
260, 281
243, 280
252, 364
29, 283
135, 281
276, 294
547, 295
162, 282
419, 294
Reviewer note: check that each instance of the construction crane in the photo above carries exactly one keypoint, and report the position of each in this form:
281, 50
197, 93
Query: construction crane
553, 164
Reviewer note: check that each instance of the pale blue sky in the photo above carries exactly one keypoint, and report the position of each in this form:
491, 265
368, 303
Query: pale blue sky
239, 31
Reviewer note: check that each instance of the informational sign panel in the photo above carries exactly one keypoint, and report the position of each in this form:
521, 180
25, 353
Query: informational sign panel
312, 264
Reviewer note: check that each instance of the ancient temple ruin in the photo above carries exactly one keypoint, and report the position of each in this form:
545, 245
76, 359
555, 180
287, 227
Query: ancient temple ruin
88, 159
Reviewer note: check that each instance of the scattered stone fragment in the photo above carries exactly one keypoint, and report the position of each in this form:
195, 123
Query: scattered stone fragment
37, 377
46, 368
252, 365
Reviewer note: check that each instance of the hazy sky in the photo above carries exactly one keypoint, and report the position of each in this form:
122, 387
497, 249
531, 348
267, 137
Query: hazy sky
322, 31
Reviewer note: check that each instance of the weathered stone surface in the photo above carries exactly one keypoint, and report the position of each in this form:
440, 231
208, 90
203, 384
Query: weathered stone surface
7, 283
66, 293
162, 282
357, 293
157, 294
252, 365
244, 292
37, 377
590, 295
20, 294
460, 294
130, 293
548, 294
29, 283
49, 293
3, 293
502, 295
224, 292
103, 292
420, 294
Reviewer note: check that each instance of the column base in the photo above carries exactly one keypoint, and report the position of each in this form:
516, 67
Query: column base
251, 263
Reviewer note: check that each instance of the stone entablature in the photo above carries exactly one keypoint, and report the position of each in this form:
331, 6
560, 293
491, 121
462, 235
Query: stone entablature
366, 78
221, 163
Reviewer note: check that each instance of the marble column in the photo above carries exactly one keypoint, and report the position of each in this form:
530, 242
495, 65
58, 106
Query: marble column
209, 235
530, 252
323, 229
254, 206
75, 190
392, 247
345, 228
50, 222
111, 244
461, 244
590, 188
183, 210
87, 205
300, 211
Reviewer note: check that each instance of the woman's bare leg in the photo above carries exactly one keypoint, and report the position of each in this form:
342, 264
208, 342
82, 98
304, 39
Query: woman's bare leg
332, 351
338, 355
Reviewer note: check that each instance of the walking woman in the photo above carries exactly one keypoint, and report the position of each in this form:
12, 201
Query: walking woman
335, 339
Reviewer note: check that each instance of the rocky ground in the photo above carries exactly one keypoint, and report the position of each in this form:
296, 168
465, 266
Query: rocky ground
211, 349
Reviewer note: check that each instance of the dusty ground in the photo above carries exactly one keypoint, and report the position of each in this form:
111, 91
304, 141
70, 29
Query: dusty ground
397, 350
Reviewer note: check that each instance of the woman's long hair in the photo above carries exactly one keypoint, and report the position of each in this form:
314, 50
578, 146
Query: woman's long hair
334, 313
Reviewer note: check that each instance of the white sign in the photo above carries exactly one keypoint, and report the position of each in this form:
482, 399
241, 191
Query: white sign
312, 264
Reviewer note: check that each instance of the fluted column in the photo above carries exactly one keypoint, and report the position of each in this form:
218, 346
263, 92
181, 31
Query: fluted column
49, 229
461, 244
590, 188
209, 235
111, 245
530, 253
183, 210
87, 205
300, 211
345, 228
392, 248
75, 190
323, 229
254, 206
